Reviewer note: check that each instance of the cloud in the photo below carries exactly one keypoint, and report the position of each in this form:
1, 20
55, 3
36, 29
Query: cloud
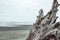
22, 10
26, 3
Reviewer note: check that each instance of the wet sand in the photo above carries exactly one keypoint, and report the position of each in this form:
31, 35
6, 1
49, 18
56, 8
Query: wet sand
14, 33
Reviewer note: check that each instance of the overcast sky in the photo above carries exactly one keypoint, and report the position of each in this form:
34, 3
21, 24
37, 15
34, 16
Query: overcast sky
23, 10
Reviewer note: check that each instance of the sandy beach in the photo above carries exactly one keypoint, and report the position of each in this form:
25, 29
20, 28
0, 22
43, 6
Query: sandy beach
14, 33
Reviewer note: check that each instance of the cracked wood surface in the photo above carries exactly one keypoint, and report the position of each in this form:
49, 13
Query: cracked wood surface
46, 27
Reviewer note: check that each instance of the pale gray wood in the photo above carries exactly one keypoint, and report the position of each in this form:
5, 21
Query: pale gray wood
46, 27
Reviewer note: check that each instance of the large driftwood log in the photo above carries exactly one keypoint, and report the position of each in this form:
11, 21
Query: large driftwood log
46, 27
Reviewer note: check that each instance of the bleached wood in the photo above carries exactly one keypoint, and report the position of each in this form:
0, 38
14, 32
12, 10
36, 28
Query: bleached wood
46, 27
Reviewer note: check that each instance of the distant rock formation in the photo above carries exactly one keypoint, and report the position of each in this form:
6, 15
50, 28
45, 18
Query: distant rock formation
46, 27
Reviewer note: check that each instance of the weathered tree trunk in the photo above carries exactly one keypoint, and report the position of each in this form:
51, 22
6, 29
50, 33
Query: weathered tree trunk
46, 27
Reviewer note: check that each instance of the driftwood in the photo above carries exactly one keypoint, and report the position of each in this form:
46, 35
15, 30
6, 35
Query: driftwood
46, 27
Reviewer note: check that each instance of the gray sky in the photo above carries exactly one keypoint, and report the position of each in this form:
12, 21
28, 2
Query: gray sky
23, 10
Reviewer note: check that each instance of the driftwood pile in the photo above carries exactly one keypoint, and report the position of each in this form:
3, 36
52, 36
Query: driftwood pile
46, 27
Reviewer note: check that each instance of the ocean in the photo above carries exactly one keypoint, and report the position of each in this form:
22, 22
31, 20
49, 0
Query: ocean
20, 32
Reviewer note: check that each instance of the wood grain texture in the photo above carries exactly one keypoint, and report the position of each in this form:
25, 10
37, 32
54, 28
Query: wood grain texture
46, 27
